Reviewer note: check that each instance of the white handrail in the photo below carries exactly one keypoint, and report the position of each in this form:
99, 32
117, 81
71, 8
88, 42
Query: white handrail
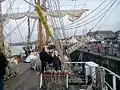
74, 62
67, 81
40, 80
114, 76
108, 85
111, 72
114, 82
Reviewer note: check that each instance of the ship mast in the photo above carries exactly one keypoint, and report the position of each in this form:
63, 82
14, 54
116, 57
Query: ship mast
40, 33
28, 37
44, 6
40, 28
2, 47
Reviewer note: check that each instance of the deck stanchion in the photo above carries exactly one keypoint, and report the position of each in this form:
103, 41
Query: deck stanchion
40, 80
114, 82
66, 80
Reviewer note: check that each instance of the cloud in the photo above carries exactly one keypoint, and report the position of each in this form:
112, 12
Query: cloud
112, 23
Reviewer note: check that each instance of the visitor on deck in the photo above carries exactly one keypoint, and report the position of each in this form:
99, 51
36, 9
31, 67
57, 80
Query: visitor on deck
56, 62
50, 61
44, 57
3, 65
26, 53
60, 67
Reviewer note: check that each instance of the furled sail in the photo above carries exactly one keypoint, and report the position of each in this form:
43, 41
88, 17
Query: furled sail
77, 13
33, 15
14, 16
57, 14
74, 15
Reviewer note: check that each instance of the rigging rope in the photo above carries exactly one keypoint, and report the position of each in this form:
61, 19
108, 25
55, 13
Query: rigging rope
86, 15
43, 19
61, 20
15, 28
32, 28
79, 24
93, 19
10, 6
8, 9
16, 21
108, 16
55, 24
53, 21
57, 42
103, 16
35, 1
18, 26
84, 28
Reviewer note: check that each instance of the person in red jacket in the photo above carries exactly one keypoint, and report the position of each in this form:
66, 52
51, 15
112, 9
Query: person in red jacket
3, 65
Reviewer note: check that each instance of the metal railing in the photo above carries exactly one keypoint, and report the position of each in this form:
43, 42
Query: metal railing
114, 76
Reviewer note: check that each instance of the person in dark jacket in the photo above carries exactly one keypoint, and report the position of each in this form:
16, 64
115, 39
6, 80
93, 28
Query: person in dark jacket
44, 57
56, 62
50, 58
26, 53
50, 61
3, 65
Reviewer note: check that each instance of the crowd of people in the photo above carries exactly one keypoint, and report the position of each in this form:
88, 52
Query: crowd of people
49, 60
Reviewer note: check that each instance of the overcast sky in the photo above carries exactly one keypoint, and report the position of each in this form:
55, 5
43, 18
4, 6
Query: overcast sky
112, 23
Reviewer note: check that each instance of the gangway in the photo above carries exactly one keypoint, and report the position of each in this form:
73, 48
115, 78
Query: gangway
51, 80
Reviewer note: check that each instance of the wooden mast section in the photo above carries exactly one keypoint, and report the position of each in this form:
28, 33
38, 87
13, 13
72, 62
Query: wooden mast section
40, 33
44, 6
41, 43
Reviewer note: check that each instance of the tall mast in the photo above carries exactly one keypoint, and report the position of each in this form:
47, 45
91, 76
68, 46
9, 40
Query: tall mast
2, 47
28, 37
40, 33
44, 6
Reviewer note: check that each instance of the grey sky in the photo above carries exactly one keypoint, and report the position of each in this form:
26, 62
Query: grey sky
113, 23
